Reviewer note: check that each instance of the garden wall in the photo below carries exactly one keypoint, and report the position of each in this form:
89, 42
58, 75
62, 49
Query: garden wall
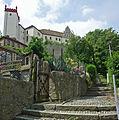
57, 49
63, 86
25, 72
14, 96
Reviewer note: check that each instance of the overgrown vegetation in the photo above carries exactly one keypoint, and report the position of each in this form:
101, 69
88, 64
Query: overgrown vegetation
20, 50
93, 48
35, 46
78, 49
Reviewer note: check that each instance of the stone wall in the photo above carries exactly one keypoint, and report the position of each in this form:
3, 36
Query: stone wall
25, 72
63, 86
14, 96
57, 49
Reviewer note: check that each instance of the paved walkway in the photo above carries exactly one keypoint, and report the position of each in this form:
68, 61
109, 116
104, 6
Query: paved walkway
97, 95
97, 104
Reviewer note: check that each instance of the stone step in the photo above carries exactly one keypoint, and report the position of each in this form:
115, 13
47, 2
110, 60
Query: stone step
82, 115
96, 94
99, 92
100, 85
26, 117
100, 89
29, 117
61, 107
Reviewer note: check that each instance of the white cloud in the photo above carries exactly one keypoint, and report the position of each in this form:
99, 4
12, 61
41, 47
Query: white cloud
86, 10
27, 10
79, 27
55, 6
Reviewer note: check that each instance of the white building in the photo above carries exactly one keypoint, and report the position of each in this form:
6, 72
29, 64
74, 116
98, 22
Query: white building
13, 29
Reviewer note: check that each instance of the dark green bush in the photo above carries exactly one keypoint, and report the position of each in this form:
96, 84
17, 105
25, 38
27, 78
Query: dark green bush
91, 69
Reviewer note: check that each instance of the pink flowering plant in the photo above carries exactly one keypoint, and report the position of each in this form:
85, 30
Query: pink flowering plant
0, 68
78, 70
0, 71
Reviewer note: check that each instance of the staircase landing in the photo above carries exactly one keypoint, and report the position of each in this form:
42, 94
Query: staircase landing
97, 104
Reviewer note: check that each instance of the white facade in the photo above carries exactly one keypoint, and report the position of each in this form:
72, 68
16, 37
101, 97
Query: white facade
11, 24
53, 38
21, 34
32, 31
12, 28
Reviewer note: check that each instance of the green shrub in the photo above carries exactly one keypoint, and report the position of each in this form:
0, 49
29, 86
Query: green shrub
103, 78
91, 69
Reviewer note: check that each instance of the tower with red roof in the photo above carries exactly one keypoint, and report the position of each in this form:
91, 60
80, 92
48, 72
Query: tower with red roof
11, 22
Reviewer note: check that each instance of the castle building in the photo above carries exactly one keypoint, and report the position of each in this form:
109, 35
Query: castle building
15, 35
12, 28
15, 30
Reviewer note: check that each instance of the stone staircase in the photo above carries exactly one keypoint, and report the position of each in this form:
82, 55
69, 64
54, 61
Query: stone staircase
99, 90
97, 104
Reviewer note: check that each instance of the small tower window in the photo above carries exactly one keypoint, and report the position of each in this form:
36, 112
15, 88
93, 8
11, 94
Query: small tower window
45, 37
50, 38
27, 39
10, 14
27, 36
38, 34
56, 38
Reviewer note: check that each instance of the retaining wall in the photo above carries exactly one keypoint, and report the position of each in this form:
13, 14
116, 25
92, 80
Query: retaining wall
14, 96
57, 49
63, 86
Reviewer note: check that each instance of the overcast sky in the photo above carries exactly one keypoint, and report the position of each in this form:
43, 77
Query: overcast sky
81, 16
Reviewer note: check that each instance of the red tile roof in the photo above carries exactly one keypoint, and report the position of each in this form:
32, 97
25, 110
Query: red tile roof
47, 31
51, 32
12, 10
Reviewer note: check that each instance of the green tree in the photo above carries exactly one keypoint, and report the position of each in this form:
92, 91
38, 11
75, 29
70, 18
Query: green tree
93, 47
37, 46
78, 48
98, 40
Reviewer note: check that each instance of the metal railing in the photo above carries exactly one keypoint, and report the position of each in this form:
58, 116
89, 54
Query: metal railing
116, 97
114, 83
11, 64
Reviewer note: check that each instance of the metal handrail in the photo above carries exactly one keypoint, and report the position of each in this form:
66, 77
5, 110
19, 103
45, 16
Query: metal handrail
116, 97
114, 84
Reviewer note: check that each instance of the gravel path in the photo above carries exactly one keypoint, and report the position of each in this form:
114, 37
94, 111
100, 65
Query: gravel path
91, 100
